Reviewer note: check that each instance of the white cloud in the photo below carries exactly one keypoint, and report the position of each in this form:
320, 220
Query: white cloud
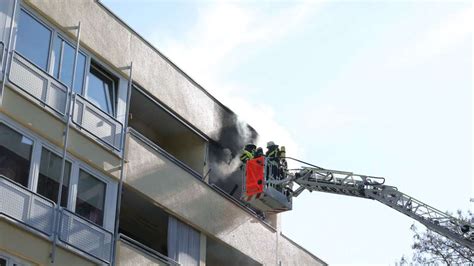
220, 30
441, 38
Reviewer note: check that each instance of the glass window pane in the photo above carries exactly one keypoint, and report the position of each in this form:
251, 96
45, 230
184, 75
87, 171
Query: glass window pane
67, 63
90, 198
56, 57
81, 67
48, 180
15, 155
33, 40
99, 90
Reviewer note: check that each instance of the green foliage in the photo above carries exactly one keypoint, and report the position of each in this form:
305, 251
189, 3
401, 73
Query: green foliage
430, 248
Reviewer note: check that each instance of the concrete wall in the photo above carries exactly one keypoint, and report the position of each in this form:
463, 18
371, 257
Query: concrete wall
189, 149
34, 249
291, 253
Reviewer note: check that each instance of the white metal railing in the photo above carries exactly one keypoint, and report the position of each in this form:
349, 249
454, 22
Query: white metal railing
160, 258
29, 208
38, 213
37, 83
101, 125
87, 237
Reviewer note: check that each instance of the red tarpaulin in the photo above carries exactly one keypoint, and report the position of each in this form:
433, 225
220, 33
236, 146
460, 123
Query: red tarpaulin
254, 176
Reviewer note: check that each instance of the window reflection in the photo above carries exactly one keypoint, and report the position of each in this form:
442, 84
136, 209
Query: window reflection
15, 155
64, 64
90, 198
101, 90
49, 177
33, 39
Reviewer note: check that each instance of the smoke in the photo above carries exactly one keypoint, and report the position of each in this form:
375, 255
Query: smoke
225, 151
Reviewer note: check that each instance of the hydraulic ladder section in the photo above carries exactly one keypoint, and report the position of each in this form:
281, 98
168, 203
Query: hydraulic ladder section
371, 187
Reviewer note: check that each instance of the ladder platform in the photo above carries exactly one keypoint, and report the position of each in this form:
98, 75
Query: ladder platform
261, 194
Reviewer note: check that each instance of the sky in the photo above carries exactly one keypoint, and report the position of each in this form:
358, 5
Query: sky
373, 87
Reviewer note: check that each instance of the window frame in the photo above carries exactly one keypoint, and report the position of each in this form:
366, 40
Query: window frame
65, 39
105, 198
68, 159
12, 260
112, 103
115, 77
76, 165
34, 147
37, 18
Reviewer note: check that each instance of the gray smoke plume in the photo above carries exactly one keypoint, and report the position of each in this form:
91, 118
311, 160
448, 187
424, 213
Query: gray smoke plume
224, 154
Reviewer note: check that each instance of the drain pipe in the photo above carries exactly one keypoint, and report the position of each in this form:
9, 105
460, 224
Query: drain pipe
65, 144
122, 169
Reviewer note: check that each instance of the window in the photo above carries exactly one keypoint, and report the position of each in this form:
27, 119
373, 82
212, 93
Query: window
63, 67
90, 198
33, 40
15, 155
83, 191
6, 260
101, 89
49, 176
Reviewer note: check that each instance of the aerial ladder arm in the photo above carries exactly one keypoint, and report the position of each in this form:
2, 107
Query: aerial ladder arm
370, 187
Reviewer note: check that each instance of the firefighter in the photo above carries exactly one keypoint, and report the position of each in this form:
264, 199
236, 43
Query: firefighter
272, 150
248, 153
283, 162
273, 160
258, 152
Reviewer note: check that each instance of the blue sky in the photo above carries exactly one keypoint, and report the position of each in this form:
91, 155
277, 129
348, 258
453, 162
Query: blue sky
380, 88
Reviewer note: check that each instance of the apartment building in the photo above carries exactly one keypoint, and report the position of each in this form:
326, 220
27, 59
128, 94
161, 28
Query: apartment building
83, 96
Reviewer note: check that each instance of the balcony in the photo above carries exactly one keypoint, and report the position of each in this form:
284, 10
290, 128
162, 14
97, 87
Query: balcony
42, 216
51, 94
173, 186
132, 252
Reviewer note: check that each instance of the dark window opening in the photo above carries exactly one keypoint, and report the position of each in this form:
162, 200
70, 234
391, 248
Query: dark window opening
15, 155
162, 128
49, 177
90, 200
220, 253
143, 221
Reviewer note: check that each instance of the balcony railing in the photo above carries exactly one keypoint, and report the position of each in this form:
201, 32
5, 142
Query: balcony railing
158, 258
31, 79
96, 122
37, 212
51, 94
31, 209
85, 236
